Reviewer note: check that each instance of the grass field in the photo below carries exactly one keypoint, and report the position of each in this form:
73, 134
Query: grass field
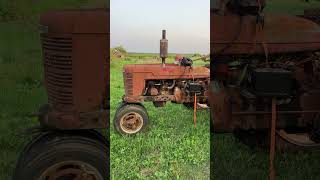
21, 89
21, 78
292, 7
233, 160
171, 147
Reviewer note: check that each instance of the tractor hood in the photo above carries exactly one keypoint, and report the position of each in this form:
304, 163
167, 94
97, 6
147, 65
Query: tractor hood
236, 35
75, 21
170, 71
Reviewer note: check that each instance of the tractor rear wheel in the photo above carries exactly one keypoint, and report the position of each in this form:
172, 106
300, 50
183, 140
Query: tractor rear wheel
285, 140
57, 156
130, 119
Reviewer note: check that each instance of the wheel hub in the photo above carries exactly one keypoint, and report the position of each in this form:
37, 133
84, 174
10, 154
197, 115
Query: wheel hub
131, 122
71, 170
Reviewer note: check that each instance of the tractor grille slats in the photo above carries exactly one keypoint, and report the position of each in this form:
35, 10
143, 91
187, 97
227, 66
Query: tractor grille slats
59, 73
57, 44
57, 83
54, 47
60, 93
57, 52
128, 83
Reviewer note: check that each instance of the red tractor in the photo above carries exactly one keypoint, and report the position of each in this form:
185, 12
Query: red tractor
265, 76
257, 58
159, 83
69, 143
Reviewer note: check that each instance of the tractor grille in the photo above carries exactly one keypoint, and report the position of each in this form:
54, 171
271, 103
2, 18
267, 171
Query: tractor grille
57, 52
128, 83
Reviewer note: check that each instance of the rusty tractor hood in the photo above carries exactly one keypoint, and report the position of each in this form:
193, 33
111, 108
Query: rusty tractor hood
171, 71
75, 50
235, 35
75, 21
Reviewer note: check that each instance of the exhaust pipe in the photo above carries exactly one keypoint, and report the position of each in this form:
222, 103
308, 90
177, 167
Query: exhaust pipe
163, 48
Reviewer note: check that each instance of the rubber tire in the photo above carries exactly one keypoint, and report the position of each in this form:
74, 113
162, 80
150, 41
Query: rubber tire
54, 148
123, 109
120, 105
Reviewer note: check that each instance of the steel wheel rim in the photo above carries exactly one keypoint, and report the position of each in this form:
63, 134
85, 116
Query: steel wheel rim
131, 122
71, 170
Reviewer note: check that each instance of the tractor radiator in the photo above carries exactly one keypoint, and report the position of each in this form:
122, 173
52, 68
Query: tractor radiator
128, 83
57, 54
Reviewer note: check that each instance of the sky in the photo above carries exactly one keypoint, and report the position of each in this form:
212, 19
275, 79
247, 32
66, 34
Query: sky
137, 25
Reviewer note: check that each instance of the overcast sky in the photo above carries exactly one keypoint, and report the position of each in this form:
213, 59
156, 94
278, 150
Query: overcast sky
137, 25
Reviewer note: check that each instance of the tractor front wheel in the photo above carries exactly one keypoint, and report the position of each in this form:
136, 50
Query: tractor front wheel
63, 157
130, 119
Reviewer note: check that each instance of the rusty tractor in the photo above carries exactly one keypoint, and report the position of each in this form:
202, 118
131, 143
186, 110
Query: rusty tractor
159, 83
265, 76
68, 144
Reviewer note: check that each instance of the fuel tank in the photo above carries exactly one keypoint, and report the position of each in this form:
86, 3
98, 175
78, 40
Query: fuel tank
240, 35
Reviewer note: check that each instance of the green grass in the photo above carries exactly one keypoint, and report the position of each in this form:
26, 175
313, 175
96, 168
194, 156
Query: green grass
29, 10
21, 80
292, 7
170, 148
233, 160
21, 90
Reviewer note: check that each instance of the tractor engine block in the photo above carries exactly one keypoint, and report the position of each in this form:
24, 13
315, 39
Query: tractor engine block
245, 86
181, 90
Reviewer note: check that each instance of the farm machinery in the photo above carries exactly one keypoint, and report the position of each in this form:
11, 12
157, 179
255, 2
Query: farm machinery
69, 143
159, 83
265, 84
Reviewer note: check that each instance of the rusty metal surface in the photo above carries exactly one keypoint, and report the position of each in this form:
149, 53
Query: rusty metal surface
221, 108
75, 47
283, 34
295, 39
163, 82
230, 116
163, 98
131, 122
77, 21
135, 76
310, 101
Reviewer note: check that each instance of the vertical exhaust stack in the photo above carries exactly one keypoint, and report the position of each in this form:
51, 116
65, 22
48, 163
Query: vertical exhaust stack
163, 48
